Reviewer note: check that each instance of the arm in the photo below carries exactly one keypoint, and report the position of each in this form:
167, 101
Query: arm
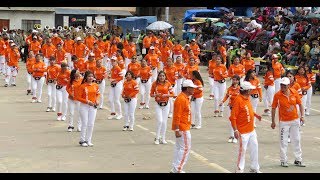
177, 112
233, 118
273, 111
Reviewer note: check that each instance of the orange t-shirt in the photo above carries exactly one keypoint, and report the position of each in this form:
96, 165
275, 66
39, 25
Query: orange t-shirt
152, 59
34, 47
74, 88
116, 73
220, 72
211, 65
181, 113
135, 68
146, 41
130, 88
258, 90
223, 53
38, 69
242, 115
112, 50
232, 92
287, 105
195, 48
68, 45
89, 41
248, 64
132, 50
121, 63
56, 40
90, 65
107, 48
80, 50
88, 92
13, 58
63, 78
268, 79
30, 63
198, 91
80, 65
101, 45
98, 54
165, 53
303, 82
278, 69
171, 74
296, 86
60, 55
177, 49
180, 69
159, 88
53, 71
236, 70
48, 50
188, 70
312, 77
145, 72
100, 73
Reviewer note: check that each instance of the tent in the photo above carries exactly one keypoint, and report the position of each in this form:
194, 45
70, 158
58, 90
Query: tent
150, 19
201, 13
131, 24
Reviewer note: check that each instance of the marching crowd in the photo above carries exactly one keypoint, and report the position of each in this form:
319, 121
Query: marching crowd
79, 71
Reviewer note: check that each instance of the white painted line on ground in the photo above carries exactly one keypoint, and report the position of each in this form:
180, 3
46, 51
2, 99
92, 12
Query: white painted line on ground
196, 155
266, 120
317, 138
314, 110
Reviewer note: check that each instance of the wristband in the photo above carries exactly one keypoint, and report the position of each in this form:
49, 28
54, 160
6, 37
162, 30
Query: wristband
177, 130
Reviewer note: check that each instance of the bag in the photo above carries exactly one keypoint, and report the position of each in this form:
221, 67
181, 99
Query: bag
172, 85
127, 100
98, 81
222, 81
144, 51
59, 87
162, 104
144, 81
304, 92
113, 84
193, 98
255, 95
50, 81
37, 78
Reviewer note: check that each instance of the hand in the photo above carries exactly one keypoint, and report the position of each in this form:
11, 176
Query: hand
220, 103
260, 99
90, 103
236, 134
165, 95
273, 125
178, 134
71, 97
258, 117
302, 121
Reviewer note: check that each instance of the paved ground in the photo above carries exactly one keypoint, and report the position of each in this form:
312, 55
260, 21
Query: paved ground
31, 140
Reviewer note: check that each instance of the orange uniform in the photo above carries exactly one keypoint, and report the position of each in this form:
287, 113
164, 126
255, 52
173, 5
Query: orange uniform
135, 68
113, 49
223, 53
107, 48
181, 113
100, 73
13, 57
89, 41
34, 47
211, 66
121, 63
220, 72
60, 55
195, 48
52, 72
145, 73
278, 69
101, 45
56, 40
90, 65
296, 86
73, 89
165, 53
130, 89
303, 82
177, 49
125, 53
268, 79
171, 74
248, 64
311, 77
159, 88
38, 69
132, 50
152, 59
98, 54
258, 90
63, 78
30, 62
80, 65
236, 70
287, 105
80, 50
146, 42
2, 47
188, 70
48, 50
88, 92
180, 69
198, 92
232, 92
68, 45
242, 114
116, 73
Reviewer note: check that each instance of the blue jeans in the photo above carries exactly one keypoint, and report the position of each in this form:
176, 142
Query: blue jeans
313, 62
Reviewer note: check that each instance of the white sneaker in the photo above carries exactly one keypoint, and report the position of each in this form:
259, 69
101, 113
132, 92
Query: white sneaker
234, 140
53, 109
79, 129
289, 140
215, 115
90, 144
33, 101
141, 107
307, 114
163, 141
156, 141
197, 127
220, 114
125, 128
69, 129
119, 117
255, 171
84, 144
59, 118
230, 139
211, 98
48, 109
170, 115
39, 101
131, 129
63, 118
147, 107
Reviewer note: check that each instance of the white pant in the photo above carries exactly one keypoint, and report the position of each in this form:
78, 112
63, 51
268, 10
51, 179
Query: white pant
102, 87
248, 140
219, 91
162, 113
181, 151
107, 63
309, 97
291, 128
29, 77
62, 96
69, 61
277, 85
52, 98
88, 116
196, 111
228, 113
178, 86
11, 75
129, 110
114, 97
171, 99
254, 103
304, 101
268, 96
127, 61
3, 68
154, 75
46, 61
145, 92
74, 105
211, 83
37, 87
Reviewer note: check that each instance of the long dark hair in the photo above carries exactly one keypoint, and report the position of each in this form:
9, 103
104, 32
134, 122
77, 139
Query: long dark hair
197, 75
290, 72
248, 75
269, 66
86, 74
161, 72
73, 75
130, 72
305, 72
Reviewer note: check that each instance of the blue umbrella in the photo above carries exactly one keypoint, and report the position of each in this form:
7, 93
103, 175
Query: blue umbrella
231, 38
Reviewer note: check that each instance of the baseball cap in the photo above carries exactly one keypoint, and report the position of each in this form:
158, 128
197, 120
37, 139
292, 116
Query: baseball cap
34, 37
55, 35
274, 56
91, 54
285, 81
152, 47
13, 44
78, 39
114, 58
246, 85
194, 40
188, 83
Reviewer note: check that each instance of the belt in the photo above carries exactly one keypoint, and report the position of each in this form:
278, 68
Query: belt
98, 81
59, 86
37, 78
127, 100
113, 84
255, 95
221, 81
304, 92
193, 98
163, 103
144, 81
50, 80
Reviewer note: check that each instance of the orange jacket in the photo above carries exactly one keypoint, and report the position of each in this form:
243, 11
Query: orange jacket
35, 47
30, 63
130, 89
116, 73
52, 72
90, 65
188, 70
180, 69
100, 73
152, 59
98, 54
80, 50
88, 92
73, 89
242, 115
287, 105
181, 113
68, 45
38, 69
48, 50
220, 72
159, 88
165, 53
171, 74
135, 68
268, 79
258, 90
145, 72
80, 65
63, 78
13, 57
56, 40
146, 41
248, 64
278, 69
303, 82
198, 91
177, 49
236, 70
60, 55
232, 92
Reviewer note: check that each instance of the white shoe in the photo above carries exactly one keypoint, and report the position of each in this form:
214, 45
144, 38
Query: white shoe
119, 117
141, 107
197, 127
53, 109
163, 141
211, 98
63, 118
39, 101
239, 171
170, 115
307, 114
90, 144
59, 118
69, 129
33, 101
289, 140
230, 139
234, 140
125, 128
215, 115
147, 107
220, 114
112, 117
84, 144
255, 171
131, 129
48, 109
156, 141
79, 129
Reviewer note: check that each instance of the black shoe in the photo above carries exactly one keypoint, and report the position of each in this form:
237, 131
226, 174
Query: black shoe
81, 142
299, 163
6, 85
13, 85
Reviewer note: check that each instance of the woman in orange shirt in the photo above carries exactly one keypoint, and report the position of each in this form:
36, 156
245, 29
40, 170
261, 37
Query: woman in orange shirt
79, 64
90, 64
211, 66
30, 61
189, 68
73, 104
236, 68
135, 67
180, 68
171, 75
269, 89
38, 70
177, 49
129, 94
312, 80
145, 85
100, 72
161, 90
153, 62
197, 100
51, 80
89, 101
248, 62
303, 80
232, 92
60, 54
63, 78
220, 74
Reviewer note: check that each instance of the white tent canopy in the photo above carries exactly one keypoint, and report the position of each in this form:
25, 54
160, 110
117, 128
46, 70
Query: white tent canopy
159, 25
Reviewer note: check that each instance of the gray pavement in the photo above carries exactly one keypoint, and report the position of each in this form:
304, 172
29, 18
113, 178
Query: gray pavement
32, 140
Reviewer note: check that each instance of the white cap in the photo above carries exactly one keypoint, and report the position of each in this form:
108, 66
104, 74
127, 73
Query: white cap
188, 83
34, 31
13, 44
275, 56
246, 85
55, 35
34, 37
194, 40
114, 58
187, 45
78, 39
152, 47
91, 54
285, 81
243, 45
10, 41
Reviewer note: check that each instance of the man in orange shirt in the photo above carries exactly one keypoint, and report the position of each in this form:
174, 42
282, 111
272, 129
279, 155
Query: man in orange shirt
181, 124
12, 65
195, 48
242, 119
48, 50
3, 48
56, 40
68, 47
34, 45
89, 41
278, 70
287, 100
80, 49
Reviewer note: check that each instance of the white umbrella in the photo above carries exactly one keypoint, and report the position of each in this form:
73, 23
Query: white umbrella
159, 25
